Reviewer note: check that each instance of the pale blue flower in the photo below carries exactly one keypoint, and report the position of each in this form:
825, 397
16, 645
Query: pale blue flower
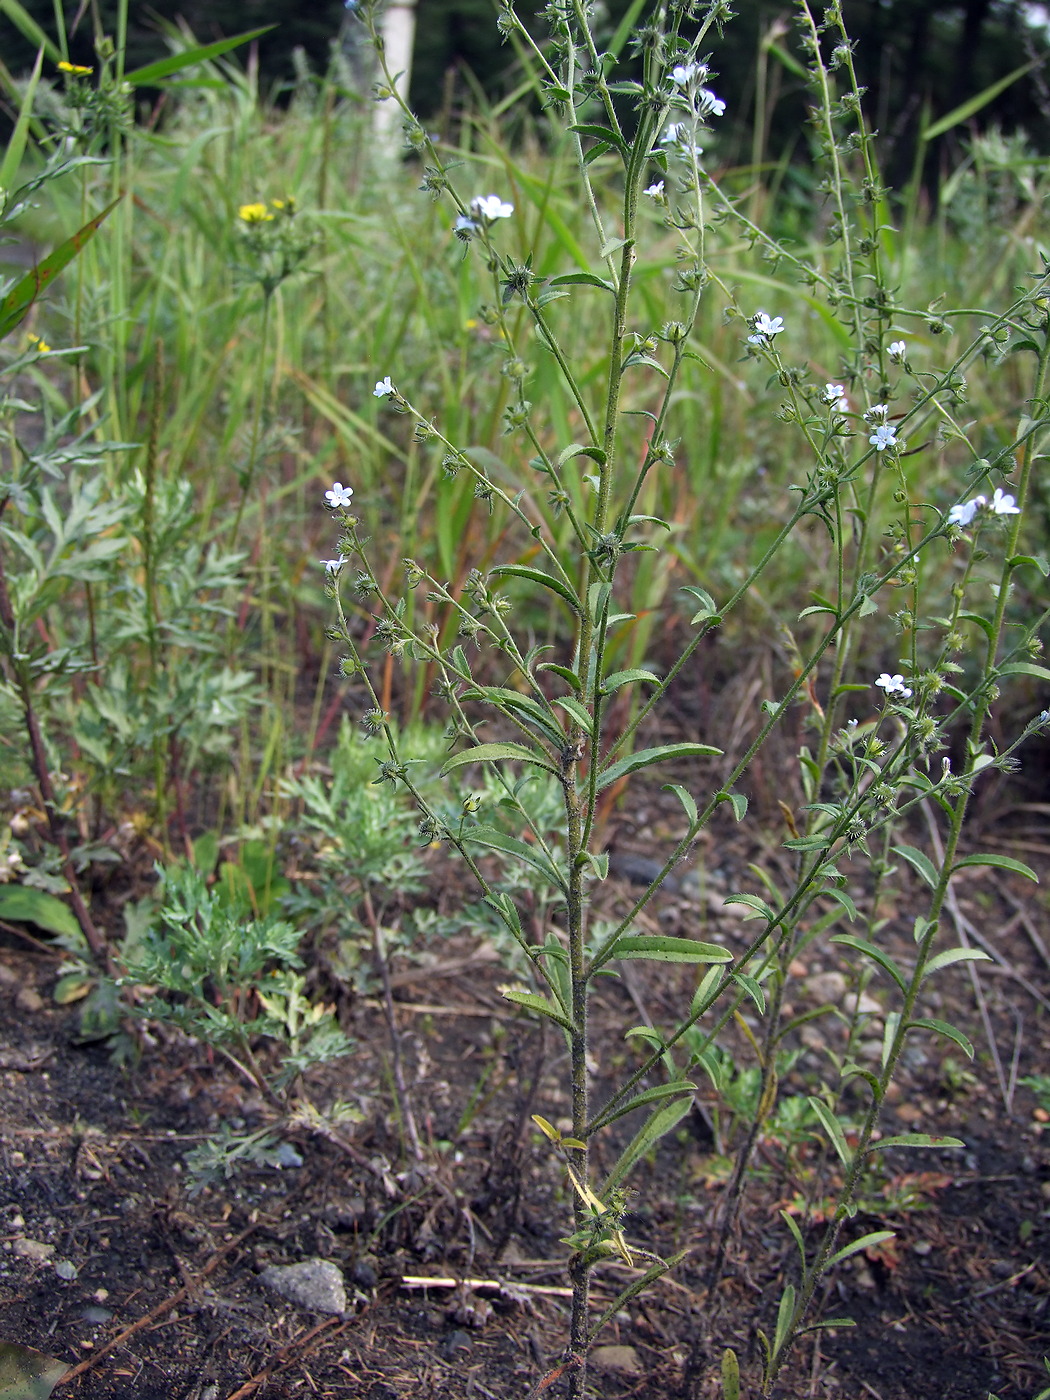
834, 396
1003, 504
764, 328
893, 685
490, 208
964, 512
655, 190
333, 566
339, 496
383, 387
883, 437
708, 105
897, 351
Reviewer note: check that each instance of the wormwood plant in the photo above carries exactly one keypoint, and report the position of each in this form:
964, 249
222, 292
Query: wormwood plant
941, 588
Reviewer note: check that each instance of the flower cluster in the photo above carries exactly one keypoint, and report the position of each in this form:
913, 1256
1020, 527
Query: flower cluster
883, 435
893, 685
764, 328
1002, 503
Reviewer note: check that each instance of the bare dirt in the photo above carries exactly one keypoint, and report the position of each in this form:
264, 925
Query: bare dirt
109, 1264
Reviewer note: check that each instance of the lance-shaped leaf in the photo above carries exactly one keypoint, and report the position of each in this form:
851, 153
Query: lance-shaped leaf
915, 1140
832, 1127
531, 1002
153, 73
930, 1023
495, 840
999, 863
645, 758
954, 955
865, 1242
659, 948
919, 862
651, 1131
17, 144
661, 1091
870, 950
22, 904
498, 753
15, 306
523, 707
785, 1314
541, 580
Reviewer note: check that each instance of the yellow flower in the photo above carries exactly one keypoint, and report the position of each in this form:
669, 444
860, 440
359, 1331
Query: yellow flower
39, 345
254, 213
76, 69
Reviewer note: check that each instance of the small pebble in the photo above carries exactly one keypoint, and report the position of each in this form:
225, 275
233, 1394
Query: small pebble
315, 1285
66, 1270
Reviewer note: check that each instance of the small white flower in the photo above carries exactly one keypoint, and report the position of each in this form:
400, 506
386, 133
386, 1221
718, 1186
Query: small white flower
884, 436
655, 190
1003, 504
835, 396
332, 566
685, 73
897, 351
765, 328
893, 685
490, 207
383, 387
673, 132
339, 496
876, 414
464, 225
708, 105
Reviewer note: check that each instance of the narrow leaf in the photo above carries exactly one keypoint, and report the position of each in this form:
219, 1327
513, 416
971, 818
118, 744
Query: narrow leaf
174, 63
865, 1242
790, 1222
929, 1023
651, 1131
919, 862
620, 678
999, 863
29, 29
542, 580
497, 753
26, 1374
753, 990
646, 758
832, 1127
661, 1091
531, 1002
916, 1140
685, 798
667, 949
965, 110
869, 950
17, 144
20, 298
493, 839
954, 955
785, 1313
582, 279
730, 1375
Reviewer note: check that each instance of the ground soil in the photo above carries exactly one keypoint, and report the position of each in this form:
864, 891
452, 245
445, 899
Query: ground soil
146, 1290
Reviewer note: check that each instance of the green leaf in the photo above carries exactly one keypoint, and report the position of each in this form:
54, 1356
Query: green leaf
152, 73
531, 1002
915, 1140
20, 298
26, 1374
737, 801
919, 862
498, 753
17, 144
965, 110
1037, 561
730, 1375
29, 29
1000, 863
954, 955
865, 1242
662, 1091
785, 1312
929, 1023
789, 1221
542, 580
752, 901
578, 711
563, 673
621, 678
74, 986
1025, 668
753, 990
832, 1127
646, 758
869, 950
666, 949
23, 905
651, 1131
685, 798
582, 279
521, 707
493, 839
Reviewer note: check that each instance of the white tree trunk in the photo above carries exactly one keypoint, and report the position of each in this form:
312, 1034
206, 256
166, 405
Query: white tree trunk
398, 28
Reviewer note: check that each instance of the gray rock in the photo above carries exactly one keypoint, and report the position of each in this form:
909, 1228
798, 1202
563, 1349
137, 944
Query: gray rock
315, 1285
624, 1360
